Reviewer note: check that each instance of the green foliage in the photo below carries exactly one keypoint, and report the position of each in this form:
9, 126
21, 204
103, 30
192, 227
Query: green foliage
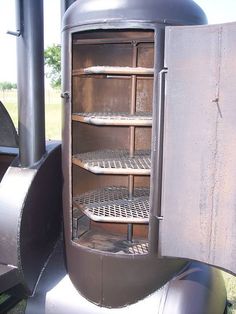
52, 57
7, 86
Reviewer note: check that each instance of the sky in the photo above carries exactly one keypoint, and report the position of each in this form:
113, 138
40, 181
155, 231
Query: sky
52, 35
217, 11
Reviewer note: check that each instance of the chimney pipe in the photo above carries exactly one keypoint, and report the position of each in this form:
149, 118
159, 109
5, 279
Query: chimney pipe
30, 58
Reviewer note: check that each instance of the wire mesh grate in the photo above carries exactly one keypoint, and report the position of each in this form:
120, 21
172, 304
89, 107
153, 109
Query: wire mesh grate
115, 162
138, 249
112, 204
109, 118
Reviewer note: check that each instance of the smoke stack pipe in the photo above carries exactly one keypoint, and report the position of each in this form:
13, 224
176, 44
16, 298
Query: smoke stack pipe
30, 58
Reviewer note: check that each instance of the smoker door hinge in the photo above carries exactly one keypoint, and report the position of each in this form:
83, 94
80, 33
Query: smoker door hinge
65, 95
164, 70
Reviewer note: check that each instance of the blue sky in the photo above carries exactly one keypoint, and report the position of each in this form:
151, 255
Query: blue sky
218, 11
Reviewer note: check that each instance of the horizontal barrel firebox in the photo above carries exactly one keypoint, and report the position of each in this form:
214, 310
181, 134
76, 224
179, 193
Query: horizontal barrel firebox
113, 53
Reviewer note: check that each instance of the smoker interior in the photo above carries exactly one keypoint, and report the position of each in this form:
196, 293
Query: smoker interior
112, 95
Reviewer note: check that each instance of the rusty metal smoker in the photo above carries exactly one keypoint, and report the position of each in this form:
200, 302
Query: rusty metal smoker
112, 55
126, 73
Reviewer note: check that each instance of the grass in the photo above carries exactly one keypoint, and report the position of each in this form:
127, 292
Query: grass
52, 119
18, 309
12, 110
3, 297
52, 111
53, 131
230, 282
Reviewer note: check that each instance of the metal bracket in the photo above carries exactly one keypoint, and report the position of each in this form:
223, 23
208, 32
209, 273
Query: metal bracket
14, 33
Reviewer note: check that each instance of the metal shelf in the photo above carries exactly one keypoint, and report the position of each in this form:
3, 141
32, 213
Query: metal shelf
112, 204
116, 119
114, 70
110, 242
115, 162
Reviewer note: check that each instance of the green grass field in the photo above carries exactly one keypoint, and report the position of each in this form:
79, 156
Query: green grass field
53, 131
52, 119
230, 282
52, 110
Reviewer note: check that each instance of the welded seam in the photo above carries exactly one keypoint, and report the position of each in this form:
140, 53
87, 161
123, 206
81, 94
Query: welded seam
214, 210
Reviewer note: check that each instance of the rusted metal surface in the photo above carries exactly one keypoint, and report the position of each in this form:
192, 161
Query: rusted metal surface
132, 129
102, 249
111, 41
92, 90
199, 177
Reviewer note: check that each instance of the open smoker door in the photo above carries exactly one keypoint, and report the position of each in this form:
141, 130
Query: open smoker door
199, 150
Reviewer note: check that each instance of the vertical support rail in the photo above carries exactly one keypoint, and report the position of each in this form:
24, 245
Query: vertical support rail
158, 149
158, 123
30, 81
132, 131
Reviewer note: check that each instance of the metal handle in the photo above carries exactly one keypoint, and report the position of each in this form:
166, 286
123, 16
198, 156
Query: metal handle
19, 20
160, 136
14, 33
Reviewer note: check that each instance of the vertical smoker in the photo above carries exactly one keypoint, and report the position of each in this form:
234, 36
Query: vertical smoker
112, 54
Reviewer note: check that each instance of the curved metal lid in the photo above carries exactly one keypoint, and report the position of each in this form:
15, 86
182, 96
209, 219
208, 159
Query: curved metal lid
183, 12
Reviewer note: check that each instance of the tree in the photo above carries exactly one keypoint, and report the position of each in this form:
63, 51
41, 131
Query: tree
7, 86
53, 64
